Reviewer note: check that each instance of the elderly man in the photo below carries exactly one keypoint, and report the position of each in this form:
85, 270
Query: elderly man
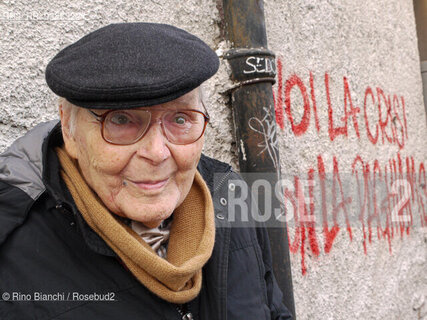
111, 213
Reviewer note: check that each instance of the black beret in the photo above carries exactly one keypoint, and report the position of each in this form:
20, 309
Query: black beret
130, 65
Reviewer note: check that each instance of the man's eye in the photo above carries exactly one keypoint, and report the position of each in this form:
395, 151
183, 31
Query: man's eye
180, 120
120, 119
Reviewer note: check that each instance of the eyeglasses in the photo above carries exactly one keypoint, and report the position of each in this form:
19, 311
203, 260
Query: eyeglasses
125, 127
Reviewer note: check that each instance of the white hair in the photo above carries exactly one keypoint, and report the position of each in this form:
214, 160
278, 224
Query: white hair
202, 95
202, 98
72, 110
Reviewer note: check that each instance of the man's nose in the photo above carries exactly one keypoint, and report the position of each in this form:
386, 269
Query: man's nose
153, 145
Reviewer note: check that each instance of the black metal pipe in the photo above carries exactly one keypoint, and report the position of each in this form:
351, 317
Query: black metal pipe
253, 71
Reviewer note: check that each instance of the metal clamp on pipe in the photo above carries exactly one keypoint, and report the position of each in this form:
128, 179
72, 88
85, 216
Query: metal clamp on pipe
252, 65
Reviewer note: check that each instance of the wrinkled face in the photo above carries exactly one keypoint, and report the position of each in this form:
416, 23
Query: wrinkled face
144, 181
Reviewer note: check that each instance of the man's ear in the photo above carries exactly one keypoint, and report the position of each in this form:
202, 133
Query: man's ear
67, 134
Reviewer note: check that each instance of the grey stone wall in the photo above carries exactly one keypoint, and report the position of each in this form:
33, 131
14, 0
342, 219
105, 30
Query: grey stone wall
362, 57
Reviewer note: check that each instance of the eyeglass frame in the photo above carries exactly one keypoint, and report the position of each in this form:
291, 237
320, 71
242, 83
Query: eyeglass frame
101, 118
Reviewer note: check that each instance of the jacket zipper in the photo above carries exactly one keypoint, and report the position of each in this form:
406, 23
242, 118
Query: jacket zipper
223, 179
184, 311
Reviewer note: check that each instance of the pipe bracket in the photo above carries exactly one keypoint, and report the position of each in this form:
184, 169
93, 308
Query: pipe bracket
251, 65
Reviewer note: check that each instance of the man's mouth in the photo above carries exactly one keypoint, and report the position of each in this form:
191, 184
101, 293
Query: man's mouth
151, 184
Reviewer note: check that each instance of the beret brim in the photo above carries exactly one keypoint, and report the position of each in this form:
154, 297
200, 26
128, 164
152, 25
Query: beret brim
130, 65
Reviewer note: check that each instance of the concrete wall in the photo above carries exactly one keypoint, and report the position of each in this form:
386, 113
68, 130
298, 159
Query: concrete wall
328, 53
32, 33
362, 57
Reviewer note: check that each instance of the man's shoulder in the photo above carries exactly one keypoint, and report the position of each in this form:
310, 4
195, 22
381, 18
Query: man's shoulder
21, 163
211, 168
20, 178
14, 207
211, 164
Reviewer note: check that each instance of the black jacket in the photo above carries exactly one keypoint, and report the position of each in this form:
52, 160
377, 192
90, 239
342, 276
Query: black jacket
48, 252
